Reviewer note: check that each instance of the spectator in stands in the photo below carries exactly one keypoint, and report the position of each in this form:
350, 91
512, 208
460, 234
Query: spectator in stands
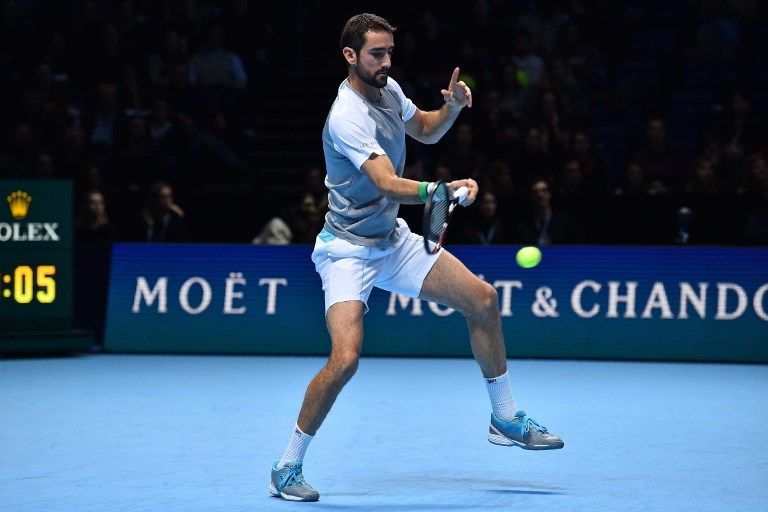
277, 231
729, 173
314, 191
593, 167
221, 75
300, 224
560, 79
90, 178
94, 233
137, 162
631, 218
494, 127
515, 90
212, 116
499, 178
534, 158
738, 128
161, 62
215, 66
483, 225
133, 90
93, 224
187, 102
169, 137
756, 175
462, 151
702, 178
578, 52
44, 166
161, 219
530, 62
634, 182
103, 119
570, 180
543, 225
661, 159
548, 116
49, 110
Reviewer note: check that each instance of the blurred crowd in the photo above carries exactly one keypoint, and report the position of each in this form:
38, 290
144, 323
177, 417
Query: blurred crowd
595, 121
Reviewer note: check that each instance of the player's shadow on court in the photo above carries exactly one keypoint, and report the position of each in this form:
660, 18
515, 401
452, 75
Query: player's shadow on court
500, 486
523, 491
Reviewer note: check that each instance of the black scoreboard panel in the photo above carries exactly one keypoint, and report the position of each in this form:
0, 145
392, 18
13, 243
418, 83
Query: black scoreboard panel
36, 267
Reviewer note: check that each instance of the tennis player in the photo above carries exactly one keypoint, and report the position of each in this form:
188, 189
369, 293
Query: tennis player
364, 244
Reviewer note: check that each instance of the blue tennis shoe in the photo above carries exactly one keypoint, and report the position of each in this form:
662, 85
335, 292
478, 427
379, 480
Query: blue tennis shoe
288, 483
522, 431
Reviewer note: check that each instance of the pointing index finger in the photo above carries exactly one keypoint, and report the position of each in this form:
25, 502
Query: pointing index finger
454, 79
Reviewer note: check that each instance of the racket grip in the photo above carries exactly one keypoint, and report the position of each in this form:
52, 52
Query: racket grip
460, 194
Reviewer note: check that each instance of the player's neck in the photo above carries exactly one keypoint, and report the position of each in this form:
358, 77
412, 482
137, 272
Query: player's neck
369, 92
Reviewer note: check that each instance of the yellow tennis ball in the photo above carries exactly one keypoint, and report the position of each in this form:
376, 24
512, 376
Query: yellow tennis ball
469, 80
528, 257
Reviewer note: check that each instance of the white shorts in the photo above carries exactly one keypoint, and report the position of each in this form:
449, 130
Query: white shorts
349, 271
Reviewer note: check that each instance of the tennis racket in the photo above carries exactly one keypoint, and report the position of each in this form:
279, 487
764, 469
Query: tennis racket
437, 214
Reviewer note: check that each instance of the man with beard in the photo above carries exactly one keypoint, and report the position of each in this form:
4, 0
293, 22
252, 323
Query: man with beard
363, 243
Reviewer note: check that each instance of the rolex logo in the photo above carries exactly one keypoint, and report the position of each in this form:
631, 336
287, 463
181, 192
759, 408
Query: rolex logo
19, 203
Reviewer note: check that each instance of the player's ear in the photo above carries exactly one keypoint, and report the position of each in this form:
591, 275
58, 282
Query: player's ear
349, 55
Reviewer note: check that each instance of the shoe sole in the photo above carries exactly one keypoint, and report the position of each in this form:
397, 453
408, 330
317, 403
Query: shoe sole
502, 440
278, 494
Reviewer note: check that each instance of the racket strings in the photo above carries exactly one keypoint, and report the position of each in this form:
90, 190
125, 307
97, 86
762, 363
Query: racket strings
441, 194
437, 223
439, 213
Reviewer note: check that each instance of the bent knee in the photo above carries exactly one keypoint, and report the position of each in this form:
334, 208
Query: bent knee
489, 297
486, 301
345, 363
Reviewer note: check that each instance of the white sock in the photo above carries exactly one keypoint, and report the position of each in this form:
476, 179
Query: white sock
500, 393
297, 447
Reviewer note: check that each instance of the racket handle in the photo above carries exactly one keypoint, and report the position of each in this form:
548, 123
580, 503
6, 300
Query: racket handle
460, 194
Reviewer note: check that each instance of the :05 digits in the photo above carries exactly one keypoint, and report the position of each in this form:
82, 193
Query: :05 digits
23, 284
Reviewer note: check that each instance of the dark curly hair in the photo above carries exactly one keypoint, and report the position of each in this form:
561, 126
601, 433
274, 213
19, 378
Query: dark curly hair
353, 35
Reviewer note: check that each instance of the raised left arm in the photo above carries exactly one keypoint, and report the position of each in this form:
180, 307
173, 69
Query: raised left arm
429, 127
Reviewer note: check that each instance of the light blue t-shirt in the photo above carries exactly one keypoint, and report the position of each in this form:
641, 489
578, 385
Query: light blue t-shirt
355, 129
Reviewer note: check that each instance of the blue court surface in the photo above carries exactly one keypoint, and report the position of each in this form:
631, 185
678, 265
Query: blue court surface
199, 433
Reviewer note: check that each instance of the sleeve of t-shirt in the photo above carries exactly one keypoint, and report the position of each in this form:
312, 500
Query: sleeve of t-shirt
354, 135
